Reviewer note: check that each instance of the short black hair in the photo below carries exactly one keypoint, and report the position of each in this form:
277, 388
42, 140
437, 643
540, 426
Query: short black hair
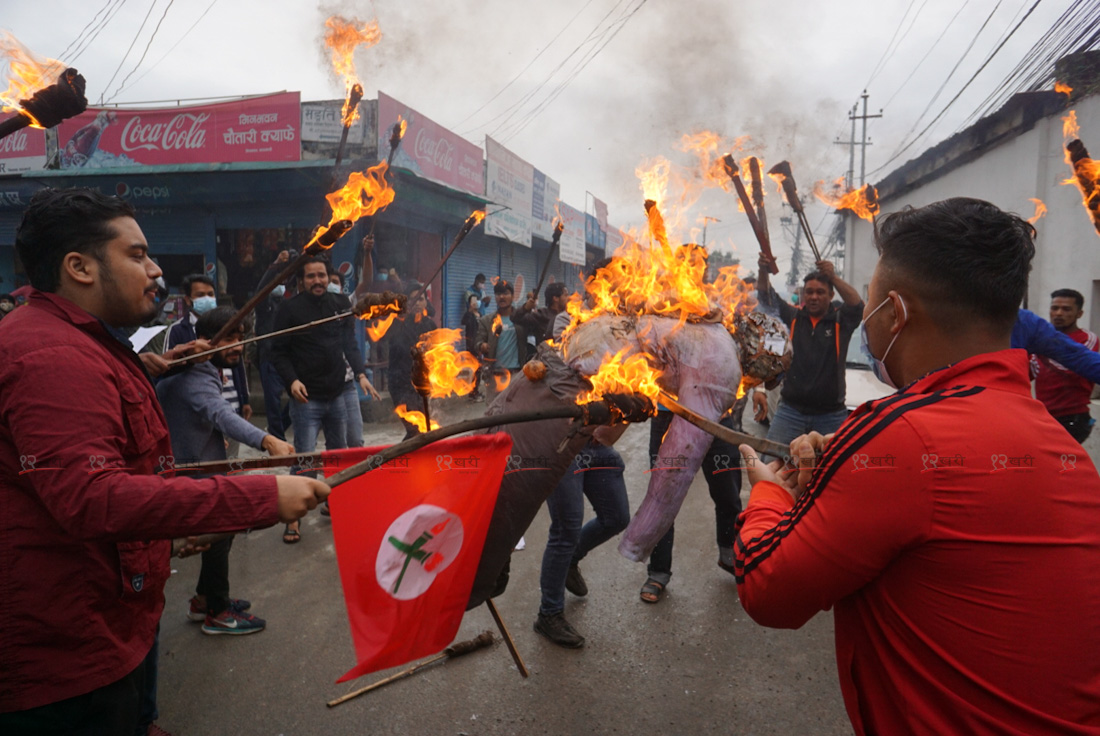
503, 287
818, 276
1063, 293
313, 259
195, 278
552, 290
413, 286
212, 322
602, 263
7, 298
60, 221
480, 278
966, 258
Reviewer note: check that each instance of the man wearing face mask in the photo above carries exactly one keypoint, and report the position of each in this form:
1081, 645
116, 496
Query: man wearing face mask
812, 398
278, 415
198, 296
953, 527
7, 304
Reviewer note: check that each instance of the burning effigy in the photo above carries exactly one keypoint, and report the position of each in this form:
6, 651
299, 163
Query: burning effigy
652, 326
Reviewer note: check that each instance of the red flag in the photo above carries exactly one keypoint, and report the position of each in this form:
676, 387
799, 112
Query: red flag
408, 537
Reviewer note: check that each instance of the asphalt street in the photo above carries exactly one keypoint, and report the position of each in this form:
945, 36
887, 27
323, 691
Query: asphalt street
693, 663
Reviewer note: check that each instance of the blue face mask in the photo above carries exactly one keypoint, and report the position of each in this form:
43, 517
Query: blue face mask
278, 292
334, 289
203, 304
878, 366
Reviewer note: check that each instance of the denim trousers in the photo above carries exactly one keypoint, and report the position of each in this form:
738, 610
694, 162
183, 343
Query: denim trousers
278, 416
350, 396
596, 473
789, 423
313, 416
721, 467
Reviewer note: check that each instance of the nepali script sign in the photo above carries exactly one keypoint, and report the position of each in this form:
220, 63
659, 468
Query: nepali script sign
429, 150
571, 247
266, 128
23, 150
545, 194
508, 182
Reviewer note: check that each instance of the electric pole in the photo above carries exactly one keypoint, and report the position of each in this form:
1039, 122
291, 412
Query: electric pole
705, 221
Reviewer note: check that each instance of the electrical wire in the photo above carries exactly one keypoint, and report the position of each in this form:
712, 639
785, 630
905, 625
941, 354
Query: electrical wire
891, 47
128, 50
928, 53
87, 43
122, 85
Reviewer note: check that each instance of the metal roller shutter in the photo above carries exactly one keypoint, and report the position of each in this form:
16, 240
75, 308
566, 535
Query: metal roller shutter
478, 253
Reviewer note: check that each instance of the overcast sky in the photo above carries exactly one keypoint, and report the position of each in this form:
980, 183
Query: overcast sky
785, 72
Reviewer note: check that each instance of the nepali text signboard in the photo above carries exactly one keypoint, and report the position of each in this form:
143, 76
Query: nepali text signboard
429, 150
572, 238
323, 122
23, 150
508, 182
545, 194
263, 128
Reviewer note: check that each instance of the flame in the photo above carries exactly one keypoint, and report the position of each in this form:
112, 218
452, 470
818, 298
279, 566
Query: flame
495, 280
477, 216
450, 371
1070, 128
402, 126
502, 380
1040, 210
497, 324
863, 201
365, 194
378, 330
1086, 176
1063, 88
342, 38
26, 75
415, 418
635, 375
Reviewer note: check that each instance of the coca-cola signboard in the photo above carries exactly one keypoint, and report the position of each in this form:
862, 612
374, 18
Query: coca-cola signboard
429, 149
266, 128
23, 150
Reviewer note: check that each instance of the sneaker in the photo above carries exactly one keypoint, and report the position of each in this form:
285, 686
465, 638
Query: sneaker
233, 622
574, 581
555, 628
196, 612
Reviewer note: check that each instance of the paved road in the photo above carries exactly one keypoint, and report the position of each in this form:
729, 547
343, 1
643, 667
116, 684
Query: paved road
694, 663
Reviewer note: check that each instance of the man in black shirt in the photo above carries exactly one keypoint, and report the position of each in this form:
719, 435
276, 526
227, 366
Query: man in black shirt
812, 398
407, 330
311, 363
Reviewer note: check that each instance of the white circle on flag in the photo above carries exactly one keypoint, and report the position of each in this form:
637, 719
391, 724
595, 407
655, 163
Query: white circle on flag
420, 544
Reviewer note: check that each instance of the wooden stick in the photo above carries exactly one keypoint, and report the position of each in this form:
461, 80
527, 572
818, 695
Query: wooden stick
746, 204
507, 637
482, 640
759, 444
467, 226
554, 243
257, 338
355, 94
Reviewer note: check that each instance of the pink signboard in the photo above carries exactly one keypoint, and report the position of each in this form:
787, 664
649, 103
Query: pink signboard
264, 128
430, 150
23, 150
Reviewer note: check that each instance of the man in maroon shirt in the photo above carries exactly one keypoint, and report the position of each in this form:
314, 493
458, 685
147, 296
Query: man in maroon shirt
1064, 393
88, 521
952, 527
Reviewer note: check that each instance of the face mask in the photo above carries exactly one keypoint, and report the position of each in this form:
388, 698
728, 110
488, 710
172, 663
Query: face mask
334, 289
203, 304
878, 366
278, 292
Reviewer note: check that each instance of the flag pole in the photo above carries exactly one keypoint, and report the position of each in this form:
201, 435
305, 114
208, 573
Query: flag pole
507, 637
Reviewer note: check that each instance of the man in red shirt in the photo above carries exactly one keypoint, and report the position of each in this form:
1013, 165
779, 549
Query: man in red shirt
1064, 393
953, 530
88, 521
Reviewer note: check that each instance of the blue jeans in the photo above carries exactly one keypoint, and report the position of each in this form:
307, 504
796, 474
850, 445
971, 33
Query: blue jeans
313, 416
278, 416
597, 473
720, 468
789, 423
350, 396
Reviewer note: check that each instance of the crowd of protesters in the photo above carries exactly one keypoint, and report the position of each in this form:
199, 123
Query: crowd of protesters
919, 585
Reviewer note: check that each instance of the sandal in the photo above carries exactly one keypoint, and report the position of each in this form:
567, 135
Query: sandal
652, 591
291, 536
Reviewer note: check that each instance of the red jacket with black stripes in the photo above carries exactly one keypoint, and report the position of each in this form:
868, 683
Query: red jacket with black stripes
955, 528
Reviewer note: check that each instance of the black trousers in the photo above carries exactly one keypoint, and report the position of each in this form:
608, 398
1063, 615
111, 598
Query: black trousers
721, 466
1078, 425
214, 576
109, 711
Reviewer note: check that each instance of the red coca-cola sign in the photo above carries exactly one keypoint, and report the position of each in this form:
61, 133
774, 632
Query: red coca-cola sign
266, 128
429, 149
23, 150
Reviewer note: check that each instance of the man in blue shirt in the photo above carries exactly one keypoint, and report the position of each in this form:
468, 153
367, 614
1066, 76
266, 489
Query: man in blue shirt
502, 342
1037, 336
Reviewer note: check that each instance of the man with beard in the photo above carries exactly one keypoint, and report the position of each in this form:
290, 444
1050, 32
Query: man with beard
200, 418
86, 548
1064, 393
312, 364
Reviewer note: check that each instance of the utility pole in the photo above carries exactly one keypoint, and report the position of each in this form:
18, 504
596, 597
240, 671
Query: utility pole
864, 142
863, 154
705, 221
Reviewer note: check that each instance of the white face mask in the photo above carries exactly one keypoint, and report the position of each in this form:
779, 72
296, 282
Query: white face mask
333, 288
203, 304
278, 291
878, 365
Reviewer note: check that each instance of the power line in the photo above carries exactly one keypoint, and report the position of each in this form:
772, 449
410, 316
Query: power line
890, 47
122, 85
178, 42
131, 48
86, 44
928, 53
524, 69
106, 5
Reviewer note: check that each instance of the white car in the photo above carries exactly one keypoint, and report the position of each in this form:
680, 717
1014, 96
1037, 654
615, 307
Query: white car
862, 386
